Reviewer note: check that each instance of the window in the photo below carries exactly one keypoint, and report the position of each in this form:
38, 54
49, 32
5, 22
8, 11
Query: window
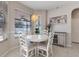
1, 26
22, 26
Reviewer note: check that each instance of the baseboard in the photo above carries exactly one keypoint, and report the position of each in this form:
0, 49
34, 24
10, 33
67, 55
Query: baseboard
59, 45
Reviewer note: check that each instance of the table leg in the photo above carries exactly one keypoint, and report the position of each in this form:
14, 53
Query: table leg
35, 51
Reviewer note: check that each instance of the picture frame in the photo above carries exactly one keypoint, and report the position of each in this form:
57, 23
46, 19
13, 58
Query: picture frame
60, 19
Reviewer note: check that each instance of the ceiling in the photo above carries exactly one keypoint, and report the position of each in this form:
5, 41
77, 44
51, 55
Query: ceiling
47, 5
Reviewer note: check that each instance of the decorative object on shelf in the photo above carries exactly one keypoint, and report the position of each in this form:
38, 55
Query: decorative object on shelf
60, 19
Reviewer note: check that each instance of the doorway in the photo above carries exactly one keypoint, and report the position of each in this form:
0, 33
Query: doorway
75, 25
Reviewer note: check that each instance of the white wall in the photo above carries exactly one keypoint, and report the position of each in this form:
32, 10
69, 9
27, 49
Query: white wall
60, 28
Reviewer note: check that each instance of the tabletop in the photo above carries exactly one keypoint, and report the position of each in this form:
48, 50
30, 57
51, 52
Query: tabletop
37, 38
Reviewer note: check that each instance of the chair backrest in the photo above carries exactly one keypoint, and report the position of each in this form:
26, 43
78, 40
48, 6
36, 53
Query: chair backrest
24, 45
51, 36
24, 41
50, 40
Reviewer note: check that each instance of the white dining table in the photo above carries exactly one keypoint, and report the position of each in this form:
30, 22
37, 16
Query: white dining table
37, 39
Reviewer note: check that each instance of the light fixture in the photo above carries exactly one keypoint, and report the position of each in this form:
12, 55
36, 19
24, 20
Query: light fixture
34, 18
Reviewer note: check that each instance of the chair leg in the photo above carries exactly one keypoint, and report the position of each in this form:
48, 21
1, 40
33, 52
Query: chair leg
51, 51
47, 54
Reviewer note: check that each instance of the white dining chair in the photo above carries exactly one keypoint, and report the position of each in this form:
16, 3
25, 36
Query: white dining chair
45, 49
26, 47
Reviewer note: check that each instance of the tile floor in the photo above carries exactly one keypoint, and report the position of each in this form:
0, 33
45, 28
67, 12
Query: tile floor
57, 51
66, 52
14, 53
